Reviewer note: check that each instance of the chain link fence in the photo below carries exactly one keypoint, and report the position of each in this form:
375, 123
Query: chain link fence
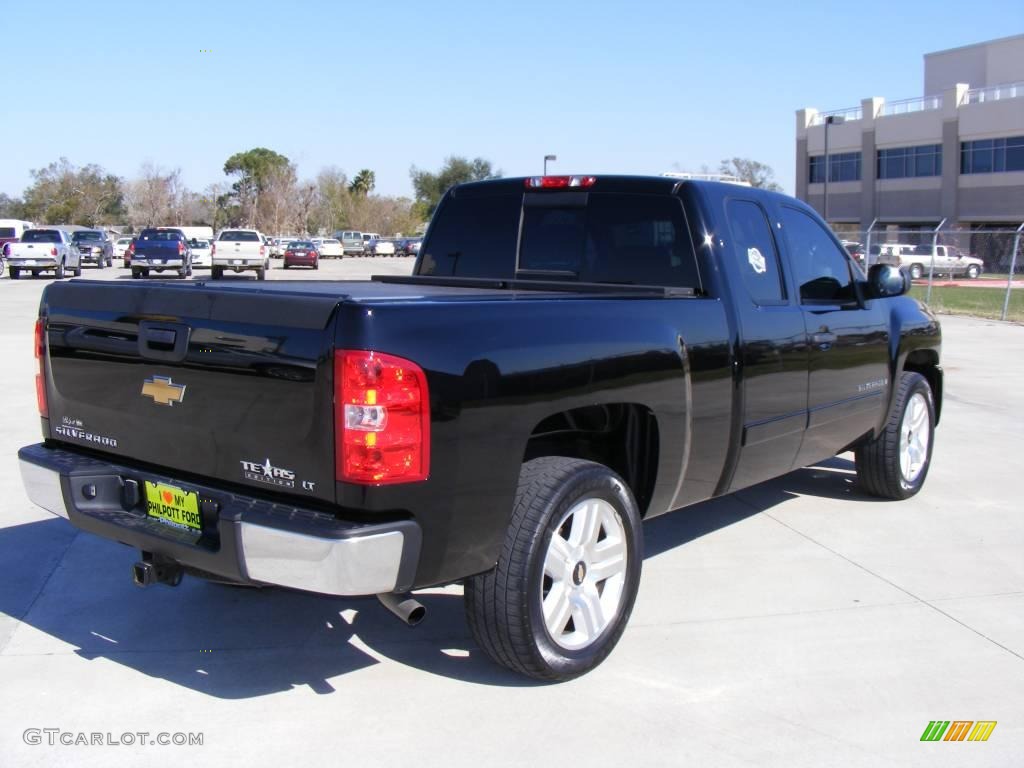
949, 264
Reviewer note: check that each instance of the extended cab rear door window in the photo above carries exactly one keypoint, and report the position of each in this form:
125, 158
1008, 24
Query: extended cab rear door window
754, 246
615, 238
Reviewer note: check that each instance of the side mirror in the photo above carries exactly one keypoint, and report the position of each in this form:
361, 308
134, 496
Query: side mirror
885, 280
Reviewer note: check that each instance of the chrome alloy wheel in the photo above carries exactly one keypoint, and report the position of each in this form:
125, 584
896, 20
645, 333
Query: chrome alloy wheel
915, 434
584, 574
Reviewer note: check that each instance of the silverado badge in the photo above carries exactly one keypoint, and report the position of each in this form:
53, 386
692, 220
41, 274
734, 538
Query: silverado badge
163, 390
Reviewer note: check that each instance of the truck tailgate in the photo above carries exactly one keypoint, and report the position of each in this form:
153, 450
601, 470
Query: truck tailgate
233, 384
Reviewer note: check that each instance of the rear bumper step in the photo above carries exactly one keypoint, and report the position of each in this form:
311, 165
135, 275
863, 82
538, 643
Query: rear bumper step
244, 538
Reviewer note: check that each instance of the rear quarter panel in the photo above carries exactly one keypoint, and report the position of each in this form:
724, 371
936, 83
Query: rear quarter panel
497, 369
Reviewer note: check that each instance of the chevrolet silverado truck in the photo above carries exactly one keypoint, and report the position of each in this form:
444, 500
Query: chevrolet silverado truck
43, 249
239, 250
159, 249
570, 357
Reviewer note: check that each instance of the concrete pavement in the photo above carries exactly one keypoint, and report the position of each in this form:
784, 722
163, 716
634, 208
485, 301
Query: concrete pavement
798, 623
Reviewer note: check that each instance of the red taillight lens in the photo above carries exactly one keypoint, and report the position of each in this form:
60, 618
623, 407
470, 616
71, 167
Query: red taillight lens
131, 249
382, 419
213, 249
53, 251
263, 249
40, 340
288, 253
559, 182
181, 247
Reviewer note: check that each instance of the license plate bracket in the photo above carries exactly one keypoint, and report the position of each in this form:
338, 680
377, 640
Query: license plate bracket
174, 507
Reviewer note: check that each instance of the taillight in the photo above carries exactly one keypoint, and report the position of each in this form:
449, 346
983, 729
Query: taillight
40, 339
213, 248
263, 249
181, 248
131, 249
382, 419
288, 253
559, 182
53, 251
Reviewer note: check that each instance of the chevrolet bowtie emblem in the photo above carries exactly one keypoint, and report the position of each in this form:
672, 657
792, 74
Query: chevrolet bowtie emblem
163, 390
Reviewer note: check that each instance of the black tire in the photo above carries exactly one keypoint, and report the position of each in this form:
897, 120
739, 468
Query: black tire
15, 273
77, 271
261, 273
216, 272
101, 263
504, 606
136, 274
183, 271
973, 271
916, 271
879, 470
58, 273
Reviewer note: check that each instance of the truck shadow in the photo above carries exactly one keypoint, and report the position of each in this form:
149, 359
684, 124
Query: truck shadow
235, 643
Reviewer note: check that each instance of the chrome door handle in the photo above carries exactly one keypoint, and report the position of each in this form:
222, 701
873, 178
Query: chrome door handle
823, 340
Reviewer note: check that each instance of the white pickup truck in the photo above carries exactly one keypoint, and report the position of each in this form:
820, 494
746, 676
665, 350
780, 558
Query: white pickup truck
41, 250
238, 250
948, 261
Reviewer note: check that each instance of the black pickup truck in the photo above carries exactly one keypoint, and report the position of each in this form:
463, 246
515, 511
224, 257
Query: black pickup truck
571, 356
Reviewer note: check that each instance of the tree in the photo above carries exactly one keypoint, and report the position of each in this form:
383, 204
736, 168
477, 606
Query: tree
363, 183
62, 193
755, 173
430, 187
253, 171
277, 209
155, 198
11, 207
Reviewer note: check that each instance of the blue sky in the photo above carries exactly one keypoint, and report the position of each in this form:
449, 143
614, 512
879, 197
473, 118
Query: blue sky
609, 87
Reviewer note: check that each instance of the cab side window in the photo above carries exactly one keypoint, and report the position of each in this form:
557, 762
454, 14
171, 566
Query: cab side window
754, 247
821, 268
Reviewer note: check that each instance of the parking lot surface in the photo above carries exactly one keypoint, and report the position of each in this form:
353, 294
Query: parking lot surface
797, 623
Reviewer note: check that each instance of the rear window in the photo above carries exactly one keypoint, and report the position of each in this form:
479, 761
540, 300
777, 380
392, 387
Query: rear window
240, 236
41, 236
600, 238
81, 235
8, 232
160, 235
300, 244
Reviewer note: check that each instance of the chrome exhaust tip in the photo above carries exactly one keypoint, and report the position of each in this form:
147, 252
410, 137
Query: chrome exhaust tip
408, 610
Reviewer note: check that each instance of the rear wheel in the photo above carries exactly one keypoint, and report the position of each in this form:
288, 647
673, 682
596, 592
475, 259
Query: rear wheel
58, 273
895, 464
216, 273
567, 575
261, 273
15, 273
77, 271
916, 271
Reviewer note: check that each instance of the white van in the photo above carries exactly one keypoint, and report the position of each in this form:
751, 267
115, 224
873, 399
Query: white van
12, 230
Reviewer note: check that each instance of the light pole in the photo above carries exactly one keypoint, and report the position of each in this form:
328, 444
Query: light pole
552, 158
829, 120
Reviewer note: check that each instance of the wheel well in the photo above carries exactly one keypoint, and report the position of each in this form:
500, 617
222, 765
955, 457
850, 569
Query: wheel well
622, 436
926, 363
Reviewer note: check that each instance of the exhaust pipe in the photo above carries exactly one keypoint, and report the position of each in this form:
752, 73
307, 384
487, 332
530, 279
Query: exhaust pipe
408, 610
147, 571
